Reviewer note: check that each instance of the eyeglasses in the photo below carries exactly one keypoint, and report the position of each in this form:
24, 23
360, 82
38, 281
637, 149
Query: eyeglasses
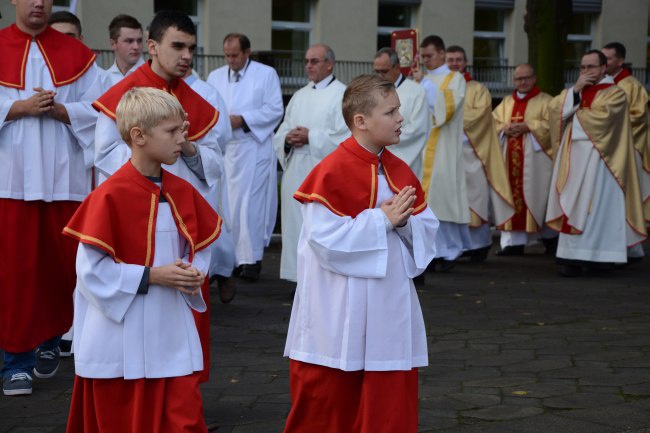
382, 71
588, 67
527, 78
313, 61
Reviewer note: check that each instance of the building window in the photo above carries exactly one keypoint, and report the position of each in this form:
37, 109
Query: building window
188, 7
489, 38
391, 17
291, 27
62, 5
579, 39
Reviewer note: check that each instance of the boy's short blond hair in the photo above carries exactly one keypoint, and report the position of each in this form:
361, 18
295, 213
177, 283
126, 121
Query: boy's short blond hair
360, 96
145, 107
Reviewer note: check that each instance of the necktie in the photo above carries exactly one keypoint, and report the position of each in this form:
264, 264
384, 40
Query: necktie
236, 77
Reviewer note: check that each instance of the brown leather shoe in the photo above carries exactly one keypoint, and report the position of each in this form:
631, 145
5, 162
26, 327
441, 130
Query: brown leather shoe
227, 288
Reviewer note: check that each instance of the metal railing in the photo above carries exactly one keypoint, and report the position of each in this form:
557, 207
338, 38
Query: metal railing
498, 79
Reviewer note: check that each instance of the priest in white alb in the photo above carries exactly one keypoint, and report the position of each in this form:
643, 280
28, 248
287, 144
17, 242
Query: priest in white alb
444, 171
595, 201
417, 120
312, 128
254, 100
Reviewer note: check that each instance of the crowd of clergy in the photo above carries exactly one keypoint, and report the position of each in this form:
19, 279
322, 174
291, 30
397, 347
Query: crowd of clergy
571, 171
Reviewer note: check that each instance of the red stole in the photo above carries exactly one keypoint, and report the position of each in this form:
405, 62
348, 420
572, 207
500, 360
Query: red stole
119, 217
589, 93
201, 114
467, 76
625, 72
345, 181
515, 161
66, 58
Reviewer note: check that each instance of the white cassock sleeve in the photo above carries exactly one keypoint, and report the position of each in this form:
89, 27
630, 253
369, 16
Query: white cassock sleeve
263, 120
111, 287
83, 116
211, 158
443, 104
108, 286
111, 152
358, 247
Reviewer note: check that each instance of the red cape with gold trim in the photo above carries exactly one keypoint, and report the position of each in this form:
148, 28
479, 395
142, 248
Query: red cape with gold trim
201, 114
346, 180
66, 58
119, 217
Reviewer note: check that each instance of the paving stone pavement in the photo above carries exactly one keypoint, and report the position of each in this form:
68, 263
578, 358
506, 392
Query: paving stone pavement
513, 348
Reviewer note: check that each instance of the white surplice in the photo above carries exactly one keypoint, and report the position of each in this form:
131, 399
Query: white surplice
416, 126
353, 275
119, 333
318, 110
447, 189
42, 158
250, 162
223, 251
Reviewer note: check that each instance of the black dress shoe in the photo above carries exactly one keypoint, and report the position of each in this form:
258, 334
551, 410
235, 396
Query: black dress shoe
479, 255
251, 271
513, 250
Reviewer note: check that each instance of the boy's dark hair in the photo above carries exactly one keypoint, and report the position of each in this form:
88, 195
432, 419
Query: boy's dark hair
244, 42
360, 96
166, 19
120, 22
619, 49
65, 17
434, 40
457, 49
602, 60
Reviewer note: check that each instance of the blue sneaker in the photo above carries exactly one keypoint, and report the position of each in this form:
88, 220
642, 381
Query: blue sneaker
47, 363
17, 384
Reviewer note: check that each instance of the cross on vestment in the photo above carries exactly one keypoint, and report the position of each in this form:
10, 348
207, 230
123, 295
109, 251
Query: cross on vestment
517, 118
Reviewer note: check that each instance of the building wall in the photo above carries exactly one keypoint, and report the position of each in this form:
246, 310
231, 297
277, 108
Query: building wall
350, 26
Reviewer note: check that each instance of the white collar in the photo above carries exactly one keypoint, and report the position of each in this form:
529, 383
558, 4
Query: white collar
439, 70
324, 82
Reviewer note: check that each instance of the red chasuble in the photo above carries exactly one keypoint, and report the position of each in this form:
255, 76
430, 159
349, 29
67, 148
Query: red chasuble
345, 181
66, 58
119, 217
201, 114
515, 163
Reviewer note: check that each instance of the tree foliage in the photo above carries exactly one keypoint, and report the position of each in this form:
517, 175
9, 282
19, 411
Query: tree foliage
547, 24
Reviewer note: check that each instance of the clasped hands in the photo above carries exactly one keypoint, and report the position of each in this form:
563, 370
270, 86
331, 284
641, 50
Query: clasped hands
399, 208
179, 275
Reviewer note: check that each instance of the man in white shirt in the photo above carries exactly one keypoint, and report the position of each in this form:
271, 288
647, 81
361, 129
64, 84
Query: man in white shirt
312, 128
254, 100
125, 33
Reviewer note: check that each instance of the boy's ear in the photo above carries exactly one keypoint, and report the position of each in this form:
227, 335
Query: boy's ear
359, 121
137, 136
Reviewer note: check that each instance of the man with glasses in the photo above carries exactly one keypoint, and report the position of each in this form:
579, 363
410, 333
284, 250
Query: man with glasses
254, 100
488, 189
313, 127
594, 200
413, 99
521, 121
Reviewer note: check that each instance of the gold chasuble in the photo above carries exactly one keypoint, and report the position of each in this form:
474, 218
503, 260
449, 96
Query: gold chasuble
478, 126
529, 167
637, 99
603, 114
